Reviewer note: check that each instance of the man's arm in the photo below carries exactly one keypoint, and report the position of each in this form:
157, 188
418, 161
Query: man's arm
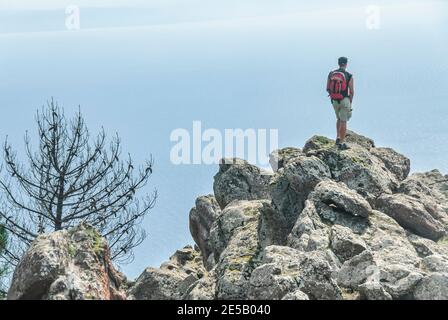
351, 86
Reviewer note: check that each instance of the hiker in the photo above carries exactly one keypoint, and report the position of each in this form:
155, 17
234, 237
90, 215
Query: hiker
340, 88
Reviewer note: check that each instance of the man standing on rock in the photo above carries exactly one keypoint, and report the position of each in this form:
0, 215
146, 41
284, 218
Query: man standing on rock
340, 88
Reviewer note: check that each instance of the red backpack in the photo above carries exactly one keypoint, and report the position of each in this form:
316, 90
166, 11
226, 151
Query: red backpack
337, 85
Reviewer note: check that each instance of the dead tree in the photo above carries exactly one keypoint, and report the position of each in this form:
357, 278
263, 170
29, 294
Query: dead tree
71, 179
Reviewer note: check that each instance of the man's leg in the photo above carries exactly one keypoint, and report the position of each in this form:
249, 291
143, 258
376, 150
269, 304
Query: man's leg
342, 130
346, 113
338, 129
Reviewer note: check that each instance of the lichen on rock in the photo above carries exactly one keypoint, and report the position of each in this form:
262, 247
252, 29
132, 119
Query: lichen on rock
69, 264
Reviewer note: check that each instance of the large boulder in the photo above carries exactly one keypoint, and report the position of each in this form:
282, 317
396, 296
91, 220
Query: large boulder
342, 198
356, 138
284, 271
68, 265
330, 204
437, 182
236, 243
411, 214
352, 138
237, 262
346, 244
291, 185
433, 287
279, 158
370, 171
426, 247
430, 190
272, 229
359, 170
202, 217
395, 162
172, 280
239, 180
235, 216
276, 275
203, 289
310, 232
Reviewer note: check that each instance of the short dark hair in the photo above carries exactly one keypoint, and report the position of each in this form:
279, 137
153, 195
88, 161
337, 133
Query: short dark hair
342, 61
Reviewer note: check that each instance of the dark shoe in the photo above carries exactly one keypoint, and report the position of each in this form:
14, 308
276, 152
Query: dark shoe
343, 146
338, 141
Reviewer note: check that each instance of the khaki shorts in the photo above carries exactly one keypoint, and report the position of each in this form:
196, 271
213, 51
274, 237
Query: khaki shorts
343, 109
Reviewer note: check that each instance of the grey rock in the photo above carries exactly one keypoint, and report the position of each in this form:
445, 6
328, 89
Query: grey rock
395, 162
345, 244
276, 275
68, 265
272, 230
426, 247
432, 287
269, 282
296, 295
291, 185
435, 263
358, 168
437, 182
280, 158
361, 171
399, 280
411, 214
373, 290
342, 198
202, 217
202, 289
310, 233
235, 215
316, 278
236, 232
360, 140
357, 270
428, 189
237, 262
239, 180
388, 240
284, 270
329, 204
318, 143
172, 280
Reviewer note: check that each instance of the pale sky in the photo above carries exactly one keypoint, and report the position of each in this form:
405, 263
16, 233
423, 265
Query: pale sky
230, 64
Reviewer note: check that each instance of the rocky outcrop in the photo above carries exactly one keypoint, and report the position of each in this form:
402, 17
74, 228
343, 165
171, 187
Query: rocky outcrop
172, 280
202, 217
239, 180
328, 224
290, 187
68, 265
279, 158
325, 225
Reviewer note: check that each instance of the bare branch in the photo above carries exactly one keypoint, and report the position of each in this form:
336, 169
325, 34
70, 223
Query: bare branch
71, 178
